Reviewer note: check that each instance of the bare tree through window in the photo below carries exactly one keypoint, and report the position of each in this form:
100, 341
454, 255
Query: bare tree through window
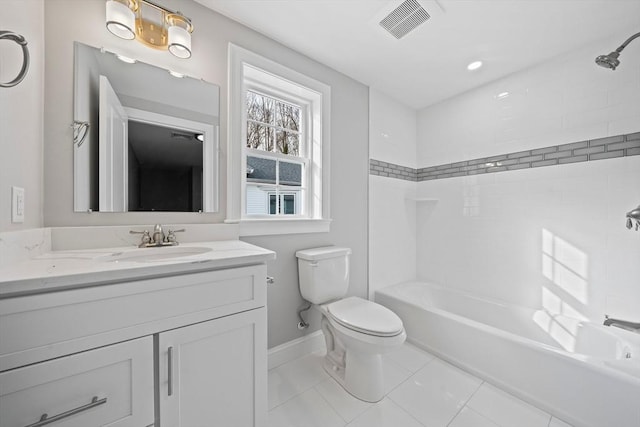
272, 125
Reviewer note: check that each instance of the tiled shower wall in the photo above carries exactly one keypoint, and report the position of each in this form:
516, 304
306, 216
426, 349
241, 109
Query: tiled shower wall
575, 152
392, 211
551, 237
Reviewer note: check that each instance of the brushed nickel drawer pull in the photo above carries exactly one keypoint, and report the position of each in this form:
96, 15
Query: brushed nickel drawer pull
170, 371
44, 419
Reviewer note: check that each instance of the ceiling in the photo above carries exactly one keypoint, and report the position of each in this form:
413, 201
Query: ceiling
163, 147
429, 64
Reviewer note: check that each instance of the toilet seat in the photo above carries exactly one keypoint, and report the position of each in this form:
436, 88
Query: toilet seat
366, 317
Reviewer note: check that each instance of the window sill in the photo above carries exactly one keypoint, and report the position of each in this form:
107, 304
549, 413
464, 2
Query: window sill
269, 227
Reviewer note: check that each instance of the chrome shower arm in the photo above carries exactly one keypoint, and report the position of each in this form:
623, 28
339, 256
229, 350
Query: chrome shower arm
629, 40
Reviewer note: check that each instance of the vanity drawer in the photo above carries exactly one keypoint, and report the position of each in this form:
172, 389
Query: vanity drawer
40, 327
118, 378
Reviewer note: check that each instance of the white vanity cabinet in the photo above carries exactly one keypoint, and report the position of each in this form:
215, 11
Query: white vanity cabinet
187, 350
207, 372
110, 386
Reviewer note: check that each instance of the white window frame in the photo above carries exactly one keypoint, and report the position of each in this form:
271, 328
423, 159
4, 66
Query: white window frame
248, 70
304, 159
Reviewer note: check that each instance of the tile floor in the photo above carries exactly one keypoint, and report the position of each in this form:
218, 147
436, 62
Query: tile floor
422, 391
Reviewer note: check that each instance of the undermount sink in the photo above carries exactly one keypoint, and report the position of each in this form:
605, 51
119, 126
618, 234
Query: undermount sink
163, 253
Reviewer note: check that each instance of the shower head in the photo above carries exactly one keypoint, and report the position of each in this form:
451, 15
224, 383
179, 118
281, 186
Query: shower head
611, 60
634, 214
608, 61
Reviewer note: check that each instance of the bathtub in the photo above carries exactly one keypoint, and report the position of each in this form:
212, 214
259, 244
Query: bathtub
581, 372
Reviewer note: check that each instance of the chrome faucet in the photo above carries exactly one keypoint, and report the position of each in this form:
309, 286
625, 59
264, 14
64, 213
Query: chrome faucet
158, 238
622, 324
158, 235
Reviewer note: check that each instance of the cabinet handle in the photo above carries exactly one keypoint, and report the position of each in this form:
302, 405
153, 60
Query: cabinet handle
170, 370
44, 419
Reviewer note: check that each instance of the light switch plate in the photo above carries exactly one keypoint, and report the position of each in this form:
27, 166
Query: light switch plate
17, 204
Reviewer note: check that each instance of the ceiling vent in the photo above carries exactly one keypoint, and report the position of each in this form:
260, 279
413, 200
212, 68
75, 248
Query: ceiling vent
404, 18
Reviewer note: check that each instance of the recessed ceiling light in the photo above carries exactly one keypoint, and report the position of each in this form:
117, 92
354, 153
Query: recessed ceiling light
503, 95
126, 59
474, 65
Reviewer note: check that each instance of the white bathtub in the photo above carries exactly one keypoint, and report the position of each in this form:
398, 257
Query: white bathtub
580, 372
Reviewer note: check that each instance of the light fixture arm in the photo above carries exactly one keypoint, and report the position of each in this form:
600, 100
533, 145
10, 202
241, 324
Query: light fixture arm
629, 40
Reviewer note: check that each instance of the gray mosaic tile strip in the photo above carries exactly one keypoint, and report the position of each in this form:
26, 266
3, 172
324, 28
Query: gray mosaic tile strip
380, 168
581, 151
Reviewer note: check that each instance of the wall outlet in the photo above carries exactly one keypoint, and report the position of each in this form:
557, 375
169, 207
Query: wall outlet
17, 204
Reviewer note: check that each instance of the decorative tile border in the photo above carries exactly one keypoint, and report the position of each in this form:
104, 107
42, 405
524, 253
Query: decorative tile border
377, 167
583, 151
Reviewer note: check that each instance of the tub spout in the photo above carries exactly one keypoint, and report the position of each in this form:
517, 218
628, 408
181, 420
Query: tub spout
622, 324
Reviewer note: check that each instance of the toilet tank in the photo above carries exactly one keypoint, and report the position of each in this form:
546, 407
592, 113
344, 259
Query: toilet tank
323, 273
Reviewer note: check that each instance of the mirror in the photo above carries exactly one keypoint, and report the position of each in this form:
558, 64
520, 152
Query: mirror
144, 139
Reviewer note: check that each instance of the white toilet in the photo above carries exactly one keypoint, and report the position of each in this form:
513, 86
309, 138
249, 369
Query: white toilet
357, 331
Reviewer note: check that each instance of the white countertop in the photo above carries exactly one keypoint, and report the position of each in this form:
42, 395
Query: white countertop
61, 270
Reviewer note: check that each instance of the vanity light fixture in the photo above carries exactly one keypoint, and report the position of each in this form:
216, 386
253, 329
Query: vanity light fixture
121, 18
150, 24
200, 137
176, 74
474, 65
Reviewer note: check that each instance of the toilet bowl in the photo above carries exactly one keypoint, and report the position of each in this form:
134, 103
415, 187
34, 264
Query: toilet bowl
357, 331
356, 338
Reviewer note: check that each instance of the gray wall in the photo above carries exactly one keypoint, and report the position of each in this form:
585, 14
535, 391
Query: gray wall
21, 110
67, 21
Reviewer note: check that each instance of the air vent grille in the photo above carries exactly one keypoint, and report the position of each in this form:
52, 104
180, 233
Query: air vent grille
404, 18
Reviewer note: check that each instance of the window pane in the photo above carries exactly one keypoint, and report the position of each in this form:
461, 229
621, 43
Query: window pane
290, 173
260, 137
261, 170
287, 143
272, 204
260, 108
287, 116
288, 204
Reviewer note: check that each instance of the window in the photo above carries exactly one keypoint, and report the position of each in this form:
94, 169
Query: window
282, 204
276, 152
278, 181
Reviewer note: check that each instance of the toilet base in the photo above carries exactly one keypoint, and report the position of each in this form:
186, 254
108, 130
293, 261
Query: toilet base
360, 375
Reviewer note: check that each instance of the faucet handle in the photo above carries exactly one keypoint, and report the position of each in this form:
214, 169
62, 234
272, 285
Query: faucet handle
146, 237
171, 236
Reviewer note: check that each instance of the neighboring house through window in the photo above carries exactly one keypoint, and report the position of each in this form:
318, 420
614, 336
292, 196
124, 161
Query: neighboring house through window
278, 148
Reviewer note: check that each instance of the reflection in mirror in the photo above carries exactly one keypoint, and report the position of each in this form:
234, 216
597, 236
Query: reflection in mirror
152, 138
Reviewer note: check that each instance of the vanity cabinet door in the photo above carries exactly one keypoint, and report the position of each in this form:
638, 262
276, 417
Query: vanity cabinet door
214, 373
110, 386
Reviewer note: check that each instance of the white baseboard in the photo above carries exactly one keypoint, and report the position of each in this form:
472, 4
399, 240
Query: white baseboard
295, 349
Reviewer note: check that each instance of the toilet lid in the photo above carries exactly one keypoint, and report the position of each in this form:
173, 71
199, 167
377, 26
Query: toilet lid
365, 316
